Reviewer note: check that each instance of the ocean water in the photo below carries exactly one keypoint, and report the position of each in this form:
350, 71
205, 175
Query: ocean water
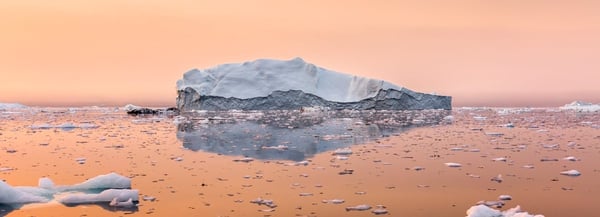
311, 163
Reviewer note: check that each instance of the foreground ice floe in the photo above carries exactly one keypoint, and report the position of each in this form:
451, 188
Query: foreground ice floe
484, 211
115, 189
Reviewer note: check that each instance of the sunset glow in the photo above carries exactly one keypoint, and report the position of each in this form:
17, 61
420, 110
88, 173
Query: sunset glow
483, 53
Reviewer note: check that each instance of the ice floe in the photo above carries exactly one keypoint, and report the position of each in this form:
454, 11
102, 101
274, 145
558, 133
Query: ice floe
485, 211
450, 164
115, 190
571, 173
115, 196
361, 207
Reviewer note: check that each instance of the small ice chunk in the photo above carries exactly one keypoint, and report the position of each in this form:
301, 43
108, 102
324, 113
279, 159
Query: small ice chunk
361, 207
334, 201
245, 160
260, 201
570, 158
148, 198
497, 178
108, 195
450, 164
80, 160
570, 173
505, 197
342, 151
503, 159
380, 210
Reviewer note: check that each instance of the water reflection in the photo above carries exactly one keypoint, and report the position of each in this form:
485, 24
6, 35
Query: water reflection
293, 135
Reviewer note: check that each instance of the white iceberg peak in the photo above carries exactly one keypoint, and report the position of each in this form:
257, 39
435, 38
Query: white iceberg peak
262, 77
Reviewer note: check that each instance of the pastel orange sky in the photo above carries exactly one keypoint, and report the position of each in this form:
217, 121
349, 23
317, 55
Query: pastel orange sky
483, 53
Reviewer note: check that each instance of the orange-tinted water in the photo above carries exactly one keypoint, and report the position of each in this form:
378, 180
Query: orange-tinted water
207, 182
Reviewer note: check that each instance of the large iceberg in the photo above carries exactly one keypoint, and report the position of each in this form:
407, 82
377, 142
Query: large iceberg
267, 84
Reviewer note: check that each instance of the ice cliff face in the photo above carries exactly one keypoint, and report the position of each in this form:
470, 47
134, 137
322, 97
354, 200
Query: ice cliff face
293, 84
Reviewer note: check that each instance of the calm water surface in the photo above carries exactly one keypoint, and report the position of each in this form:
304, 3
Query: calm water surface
191, 164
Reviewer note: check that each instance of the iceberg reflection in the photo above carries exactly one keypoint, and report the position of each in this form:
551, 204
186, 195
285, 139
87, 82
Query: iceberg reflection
293, 135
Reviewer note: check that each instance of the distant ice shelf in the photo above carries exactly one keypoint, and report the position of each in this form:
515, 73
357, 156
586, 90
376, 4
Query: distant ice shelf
581, 106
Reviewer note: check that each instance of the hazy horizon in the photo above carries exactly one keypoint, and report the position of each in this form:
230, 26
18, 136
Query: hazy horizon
482, 53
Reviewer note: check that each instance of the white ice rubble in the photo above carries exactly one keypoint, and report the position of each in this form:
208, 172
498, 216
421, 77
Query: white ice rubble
262, 77
484, 211
11, 106
116, 190
580, 106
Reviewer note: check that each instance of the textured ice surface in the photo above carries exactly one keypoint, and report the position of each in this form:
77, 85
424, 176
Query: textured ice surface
581, 106
484, 211
16, 195
262, 77
115, 184
111, 180
118, 195
7, 106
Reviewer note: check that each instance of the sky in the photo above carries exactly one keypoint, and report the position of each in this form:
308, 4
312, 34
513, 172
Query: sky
482, 53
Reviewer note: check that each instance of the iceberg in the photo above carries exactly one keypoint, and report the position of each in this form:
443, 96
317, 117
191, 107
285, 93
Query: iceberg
267, 84
580, 106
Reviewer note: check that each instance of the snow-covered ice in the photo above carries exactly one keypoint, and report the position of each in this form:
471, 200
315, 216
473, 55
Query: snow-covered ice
571, 173
484, 211
118, 195
261, 77
580, 106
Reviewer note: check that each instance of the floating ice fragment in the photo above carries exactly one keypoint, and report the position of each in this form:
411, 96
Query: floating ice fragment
148, 198
361, 207
342, 151
80, 160
570, 173
497, 178
503, 159
245, 160
380, 210
261, 201
570, 158
305, 194
418, 168
108, 195
334, 201
453, 164
528, 166
505, 197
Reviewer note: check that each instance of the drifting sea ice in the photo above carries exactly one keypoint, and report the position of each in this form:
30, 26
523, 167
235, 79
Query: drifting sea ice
116, 185
484, 211
110, 195
16, 195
